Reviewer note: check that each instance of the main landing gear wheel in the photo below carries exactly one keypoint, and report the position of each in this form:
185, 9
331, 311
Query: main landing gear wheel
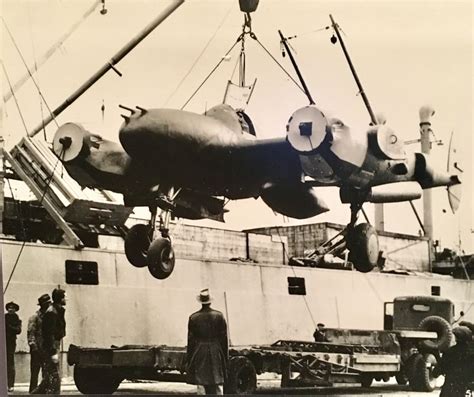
363, 245
160, 258
137, 243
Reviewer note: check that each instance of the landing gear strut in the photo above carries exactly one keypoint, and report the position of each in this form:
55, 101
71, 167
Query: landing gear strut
160, 258
141, 247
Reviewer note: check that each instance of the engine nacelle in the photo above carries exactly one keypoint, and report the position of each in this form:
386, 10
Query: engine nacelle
428, 176
296, 200
306, 129
89, 159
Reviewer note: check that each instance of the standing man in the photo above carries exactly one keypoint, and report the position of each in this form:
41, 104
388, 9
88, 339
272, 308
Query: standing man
457, 363
12, 329
319, 334
35, 341
208, 347
53, 329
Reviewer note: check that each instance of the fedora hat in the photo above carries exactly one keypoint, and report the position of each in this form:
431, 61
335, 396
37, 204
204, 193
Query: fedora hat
204, 297
44, 299
12, 305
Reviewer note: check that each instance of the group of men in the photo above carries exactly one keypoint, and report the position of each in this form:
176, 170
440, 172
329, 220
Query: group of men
46, 328
207, 348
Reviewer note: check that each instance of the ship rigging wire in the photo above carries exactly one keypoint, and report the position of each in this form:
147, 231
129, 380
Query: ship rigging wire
52, 49
40, 202
14, 97
294, 273
199, 56
29, 71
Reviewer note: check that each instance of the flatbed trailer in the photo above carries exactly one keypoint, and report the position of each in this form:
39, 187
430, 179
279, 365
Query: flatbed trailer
377, 355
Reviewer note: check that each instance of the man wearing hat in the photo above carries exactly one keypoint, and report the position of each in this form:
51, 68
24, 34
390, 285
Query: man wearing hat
35, 340
53, 329
457, 363
319, 335
208, 347
12, 329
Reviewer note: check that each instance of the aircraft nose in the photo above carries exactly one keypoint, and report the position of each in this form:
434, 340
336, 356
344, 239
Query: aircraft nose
142, 132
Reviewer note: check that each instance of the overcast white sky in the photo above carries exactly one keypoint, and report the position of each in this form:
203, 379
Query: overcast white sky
407, 54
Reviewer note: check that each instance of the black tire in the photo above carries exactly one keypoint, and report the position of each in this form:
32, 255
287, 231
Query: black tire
401, 378
363, 244
160, 258
366, 380
242, 376
411, 368
423, 378
96, 380
136, 245
442, 328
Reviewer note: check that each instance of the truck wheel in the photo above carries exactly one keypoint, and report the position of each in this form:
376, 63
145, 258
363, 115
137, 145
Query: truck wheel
242, 377
96, 380
363, 246
423, 379
401, 378
136, 245
442, 328
365, 380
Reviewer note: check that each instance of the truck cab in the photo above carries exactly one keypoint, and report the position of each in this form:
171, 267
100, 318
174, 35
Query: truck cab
407, 312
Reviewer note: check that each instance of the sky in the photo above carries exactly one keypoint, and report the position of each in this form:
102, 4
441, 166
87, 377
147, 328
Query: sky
407, 54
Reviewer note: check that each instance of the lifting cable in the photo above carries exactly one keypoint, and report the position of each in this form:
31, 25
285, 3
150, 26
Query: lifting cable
40, 202
29, 71
209, 75
245, 30
252, 35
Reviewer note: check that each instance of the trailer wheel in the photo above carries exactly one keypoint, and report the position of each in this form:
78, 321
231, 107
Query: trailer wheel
242, 377
96, 380
422, 378
442, 328
366, 380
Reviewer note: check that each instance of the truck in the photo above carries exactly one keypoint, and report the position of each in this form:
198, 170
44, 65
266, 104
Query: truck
417, 330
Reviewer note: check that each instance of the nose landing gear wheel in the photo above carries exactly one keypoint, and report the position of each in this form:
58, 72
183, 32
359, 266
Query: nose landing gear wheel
137, 243
160, 258
363, 244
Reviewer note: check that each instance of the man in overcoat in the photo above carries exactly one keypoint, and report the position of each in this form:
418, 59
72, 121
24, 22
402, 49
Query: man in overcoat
457, 364
35, 340
208, 347
12, 329
53, 329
